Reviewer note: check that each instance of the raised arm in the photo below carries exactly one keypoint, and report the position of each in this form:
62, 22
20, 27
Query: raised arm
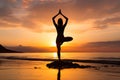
64, 17
54, 19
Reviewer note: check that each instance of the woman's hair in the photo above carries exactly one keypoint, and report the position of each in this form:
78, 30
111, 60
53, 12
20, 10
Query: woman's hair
60, 21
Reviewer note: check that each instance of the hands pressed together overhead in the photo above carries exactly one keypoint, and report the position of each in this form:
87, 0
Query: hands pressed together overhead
60, 14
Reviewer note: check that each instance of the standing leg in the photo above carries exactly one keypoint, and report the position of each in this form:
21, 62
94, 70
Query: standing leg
58, 52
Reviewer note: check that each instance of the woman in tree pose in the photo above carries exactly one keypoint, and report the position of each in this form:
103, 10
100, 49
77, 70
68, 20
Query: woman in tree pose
60, 27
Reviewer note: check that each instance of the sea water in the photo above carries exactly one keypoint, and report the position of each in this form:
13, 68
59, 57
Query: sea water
18, 69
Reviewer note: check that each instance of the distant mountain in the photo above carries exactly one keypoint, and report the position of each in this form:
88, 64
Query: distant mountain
4, 50
101, 46
28, 48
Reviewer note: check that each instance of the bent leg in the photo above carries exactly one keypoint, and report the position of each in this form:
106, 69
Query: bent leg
66, 39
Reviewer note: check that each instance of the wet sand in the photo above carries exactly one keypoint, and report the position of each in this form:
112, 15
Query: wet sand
33, 67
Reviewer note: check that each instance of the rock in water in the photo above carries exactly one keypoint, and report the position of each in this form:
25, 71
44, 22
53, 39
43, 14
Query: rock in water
65, 64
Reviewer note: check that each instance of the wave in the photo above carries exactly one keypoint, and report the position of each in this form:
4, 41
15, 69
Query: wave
108, 58
72, 60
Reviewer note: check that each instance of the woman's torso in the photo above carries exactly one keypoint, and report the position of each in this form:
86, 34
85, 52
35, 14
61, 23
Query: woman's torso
60, 34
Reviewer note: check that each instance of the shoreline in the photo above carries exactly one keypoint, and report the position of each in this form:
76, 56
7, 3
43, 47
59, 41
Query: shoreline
71, 60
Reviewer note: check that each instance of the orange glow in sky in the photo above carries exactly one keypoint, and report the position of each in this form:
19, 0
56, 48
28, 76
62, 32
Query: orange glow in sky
31, 24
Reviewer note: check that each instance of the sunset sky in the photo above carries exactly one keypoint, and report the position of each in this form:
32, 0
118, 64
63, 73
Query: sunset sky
29, 22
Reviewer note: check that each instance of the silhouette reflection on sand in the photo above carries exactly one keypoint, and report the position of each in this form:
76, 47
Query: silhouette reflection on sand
59, 74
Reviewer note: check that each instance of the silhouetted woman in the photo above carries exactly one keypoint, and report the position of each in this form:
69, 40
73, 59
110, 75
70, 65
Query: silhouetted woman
60, 32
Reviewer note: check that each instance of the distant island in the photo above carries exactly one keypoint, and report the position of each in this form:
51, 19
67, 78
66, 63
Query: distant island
4, 50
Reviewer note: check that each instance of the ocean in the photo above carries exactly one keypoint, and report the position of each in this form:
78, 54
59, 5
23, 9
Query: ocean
29, 66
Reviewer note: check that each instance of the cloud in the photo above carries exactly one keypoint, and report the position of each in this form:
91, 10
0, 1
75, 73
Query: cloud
7, 9
102, 24
36, 14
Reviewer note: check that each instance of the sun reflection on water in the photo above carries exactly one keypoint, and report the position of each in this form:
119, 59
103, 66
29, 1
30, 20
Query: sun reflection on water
55, 55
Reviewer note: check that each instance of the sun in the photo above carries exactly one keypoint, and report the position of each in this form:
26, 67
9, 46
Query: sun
53, 44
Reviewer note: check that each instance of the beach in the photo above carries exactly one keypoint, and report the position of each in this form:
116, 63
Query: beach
59, 40
32, 66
